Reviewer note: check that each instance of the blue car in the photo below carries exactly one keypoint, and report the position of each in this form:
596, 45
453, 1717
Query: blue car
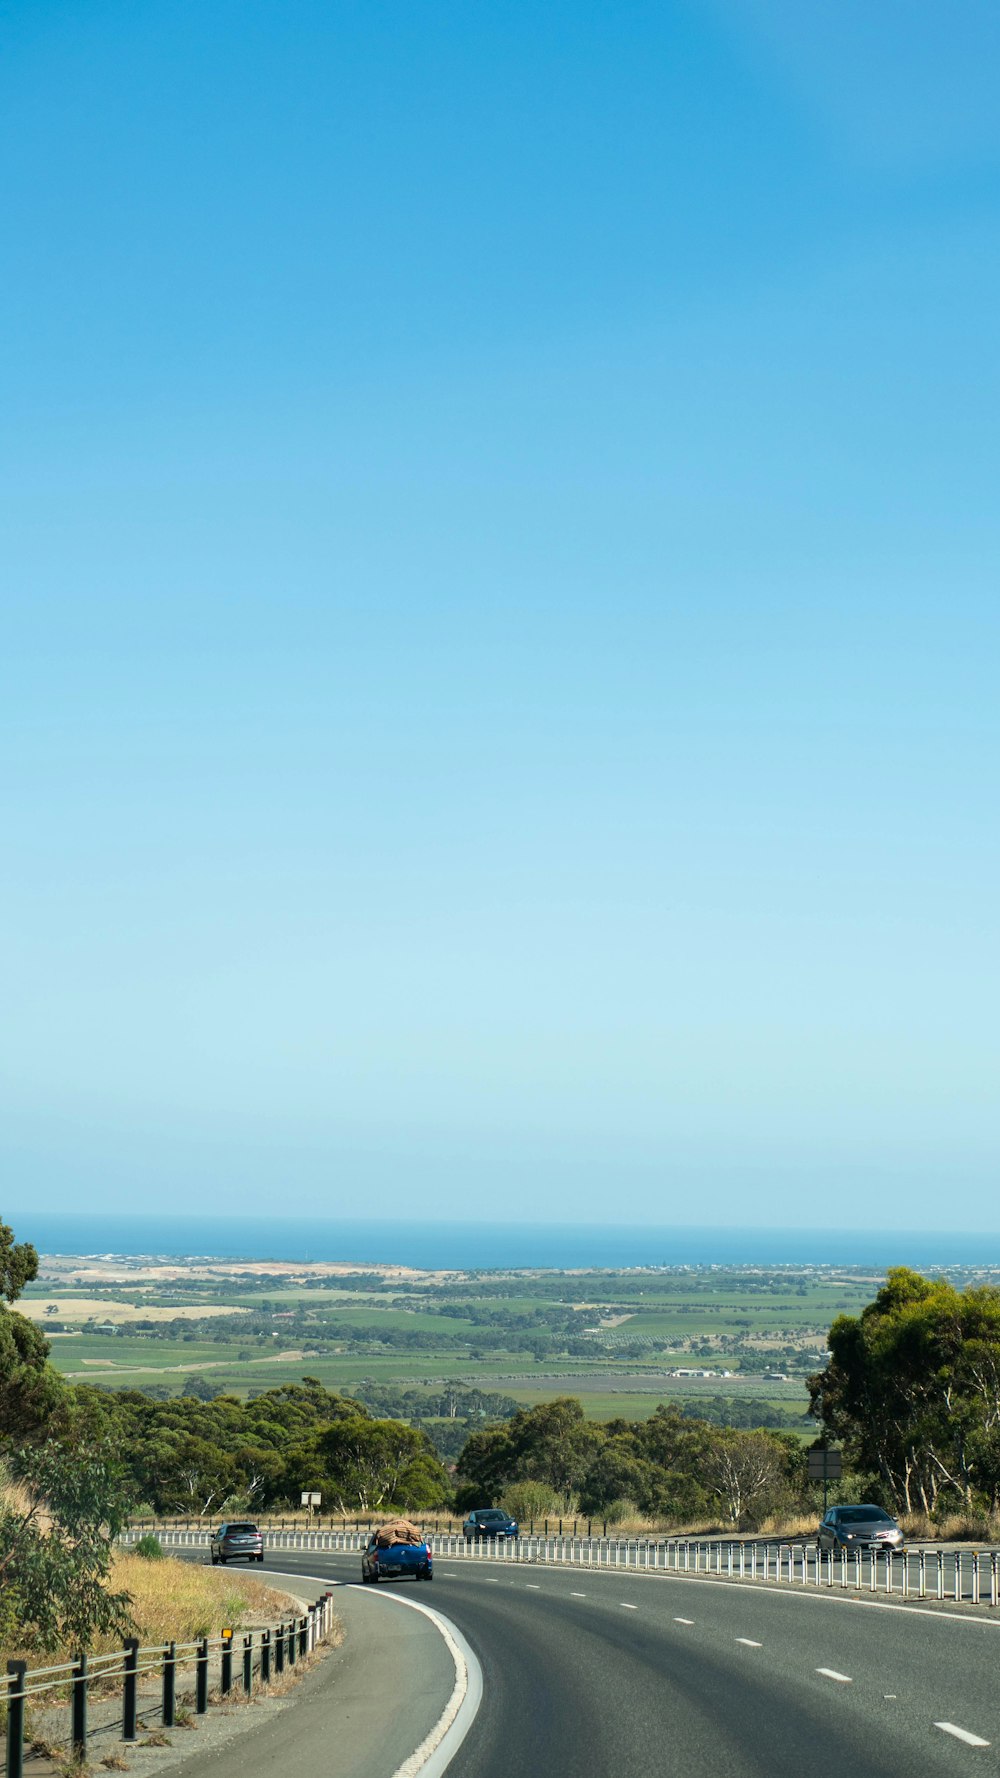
395, 1561
489, 1521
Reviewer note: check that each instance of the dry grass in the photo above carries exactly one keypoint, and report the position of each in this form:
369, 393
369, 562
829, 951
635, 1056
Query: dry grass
953, 1527
76, 1311
180, 1601
176, 1601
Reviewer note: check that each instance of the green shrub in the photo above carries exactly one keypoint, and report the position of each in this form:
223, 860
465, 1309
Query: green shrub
150, 1547
530, 1500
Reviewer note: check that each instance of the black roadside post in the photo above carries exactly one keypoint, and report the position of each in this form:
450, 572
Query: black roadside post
265, 1657
201, 1678
303, 1636
279, 1650
169, 1683
226, 1677
248, 1664
130, 1692
15, 1719
79, 1728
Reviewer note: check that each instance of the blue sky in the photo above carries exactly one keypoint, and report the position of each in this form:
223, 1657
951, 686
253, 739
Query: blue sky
499, 683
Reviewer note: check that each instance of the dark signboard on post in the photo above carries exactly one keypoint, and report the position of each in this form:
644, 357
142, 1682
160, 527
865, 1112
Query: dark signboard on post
824, 1465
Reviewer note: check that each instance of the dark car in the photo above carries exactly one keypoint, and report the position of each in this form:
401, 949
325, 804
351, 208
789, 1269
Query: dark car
237, 1540
395, 1561
859, 1528
489, 1521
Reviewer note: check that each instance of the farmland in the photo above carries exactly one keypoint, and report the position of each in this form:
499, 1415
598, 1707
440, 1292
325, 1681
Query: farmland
747, 1338
735, 1345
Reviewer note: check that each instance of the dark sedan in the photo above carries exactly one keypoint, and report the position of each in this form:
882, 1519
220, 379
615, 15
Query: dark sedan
859, 1528
489, 1521
237, 1540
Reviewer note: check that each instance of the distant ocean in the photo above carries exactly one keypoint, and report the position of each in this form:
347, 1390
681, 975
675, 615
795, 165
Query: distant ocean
483, 1245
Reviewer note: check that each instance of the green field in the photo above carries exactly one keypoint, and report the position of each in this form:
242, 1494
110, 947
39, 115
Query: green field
607, 1337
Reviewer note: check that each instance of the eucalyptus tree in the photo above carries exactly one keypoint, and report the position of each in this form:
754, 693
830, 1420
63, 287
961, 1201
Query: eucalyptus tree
913, 1391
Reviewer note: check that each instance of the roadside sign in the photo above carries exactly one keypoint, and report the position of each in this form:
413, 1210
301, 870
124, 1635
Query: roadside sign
312, 1499
824, 1465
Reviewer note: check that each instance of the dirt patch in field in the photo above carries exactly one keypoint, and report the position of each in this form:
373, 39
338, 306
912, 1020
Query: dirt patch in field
95, 1308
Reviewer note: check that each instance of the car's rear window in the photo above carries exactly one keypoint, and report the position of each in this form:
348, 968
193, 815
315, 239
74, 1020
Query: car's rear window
232, 1528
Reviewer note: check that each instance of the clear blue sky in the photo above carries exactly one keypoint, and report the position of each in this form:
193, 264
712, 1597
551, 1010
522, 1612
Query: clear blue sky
500, 642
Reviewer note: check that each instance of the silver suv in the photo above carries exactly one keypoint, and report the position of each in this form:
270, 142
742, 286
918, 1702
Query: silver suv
237, 1540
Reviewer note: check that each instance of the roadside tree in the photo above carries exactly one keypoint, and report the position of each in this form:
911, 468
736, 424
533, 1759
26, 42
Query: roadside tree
913, 1391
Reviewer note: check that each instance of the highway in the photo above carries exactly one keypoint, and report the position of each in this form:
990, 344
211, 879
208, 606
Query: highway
612, 1675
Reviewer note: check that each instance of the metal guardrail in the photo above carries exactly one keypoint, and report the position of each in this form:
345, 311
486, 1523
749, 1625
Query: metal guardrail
970, 1575
263, 1651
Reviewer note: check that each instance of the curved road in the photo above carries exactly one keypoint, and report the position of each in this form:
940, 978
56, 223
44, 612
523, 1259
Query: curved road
611, 1675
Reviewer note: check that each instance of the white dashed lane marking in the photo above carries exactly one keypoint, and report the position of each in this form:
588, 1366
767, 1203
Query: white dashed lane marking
952, 1728
627, 1607
747, 1643
578, 1595
683, 1620
533, 1586
831, 1673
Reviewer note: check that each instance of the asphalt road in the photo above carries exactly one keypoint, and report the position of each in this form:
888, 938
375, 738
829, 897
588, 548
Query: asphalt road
611, 1675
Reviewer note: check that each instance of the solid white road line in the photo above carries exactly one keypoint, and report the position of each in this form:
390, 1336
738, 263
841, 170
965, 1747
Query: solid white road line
831, 1673
747, 1643
437, 1749
627, 1607
683, 1620
952, 1728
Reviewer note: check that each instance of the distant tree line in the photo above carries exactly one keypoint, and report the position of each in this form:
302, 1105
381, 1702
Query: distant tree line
669, 1467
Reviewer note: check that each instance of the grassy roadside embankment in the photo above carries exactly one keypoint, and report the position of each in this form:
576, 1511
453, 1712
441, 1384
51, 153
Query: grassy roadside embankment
171, 1601
174, 1601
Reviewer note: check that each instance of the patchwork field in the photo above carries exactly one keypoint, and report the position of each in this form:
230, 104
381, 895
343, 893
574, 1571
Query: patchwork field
748, 1337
